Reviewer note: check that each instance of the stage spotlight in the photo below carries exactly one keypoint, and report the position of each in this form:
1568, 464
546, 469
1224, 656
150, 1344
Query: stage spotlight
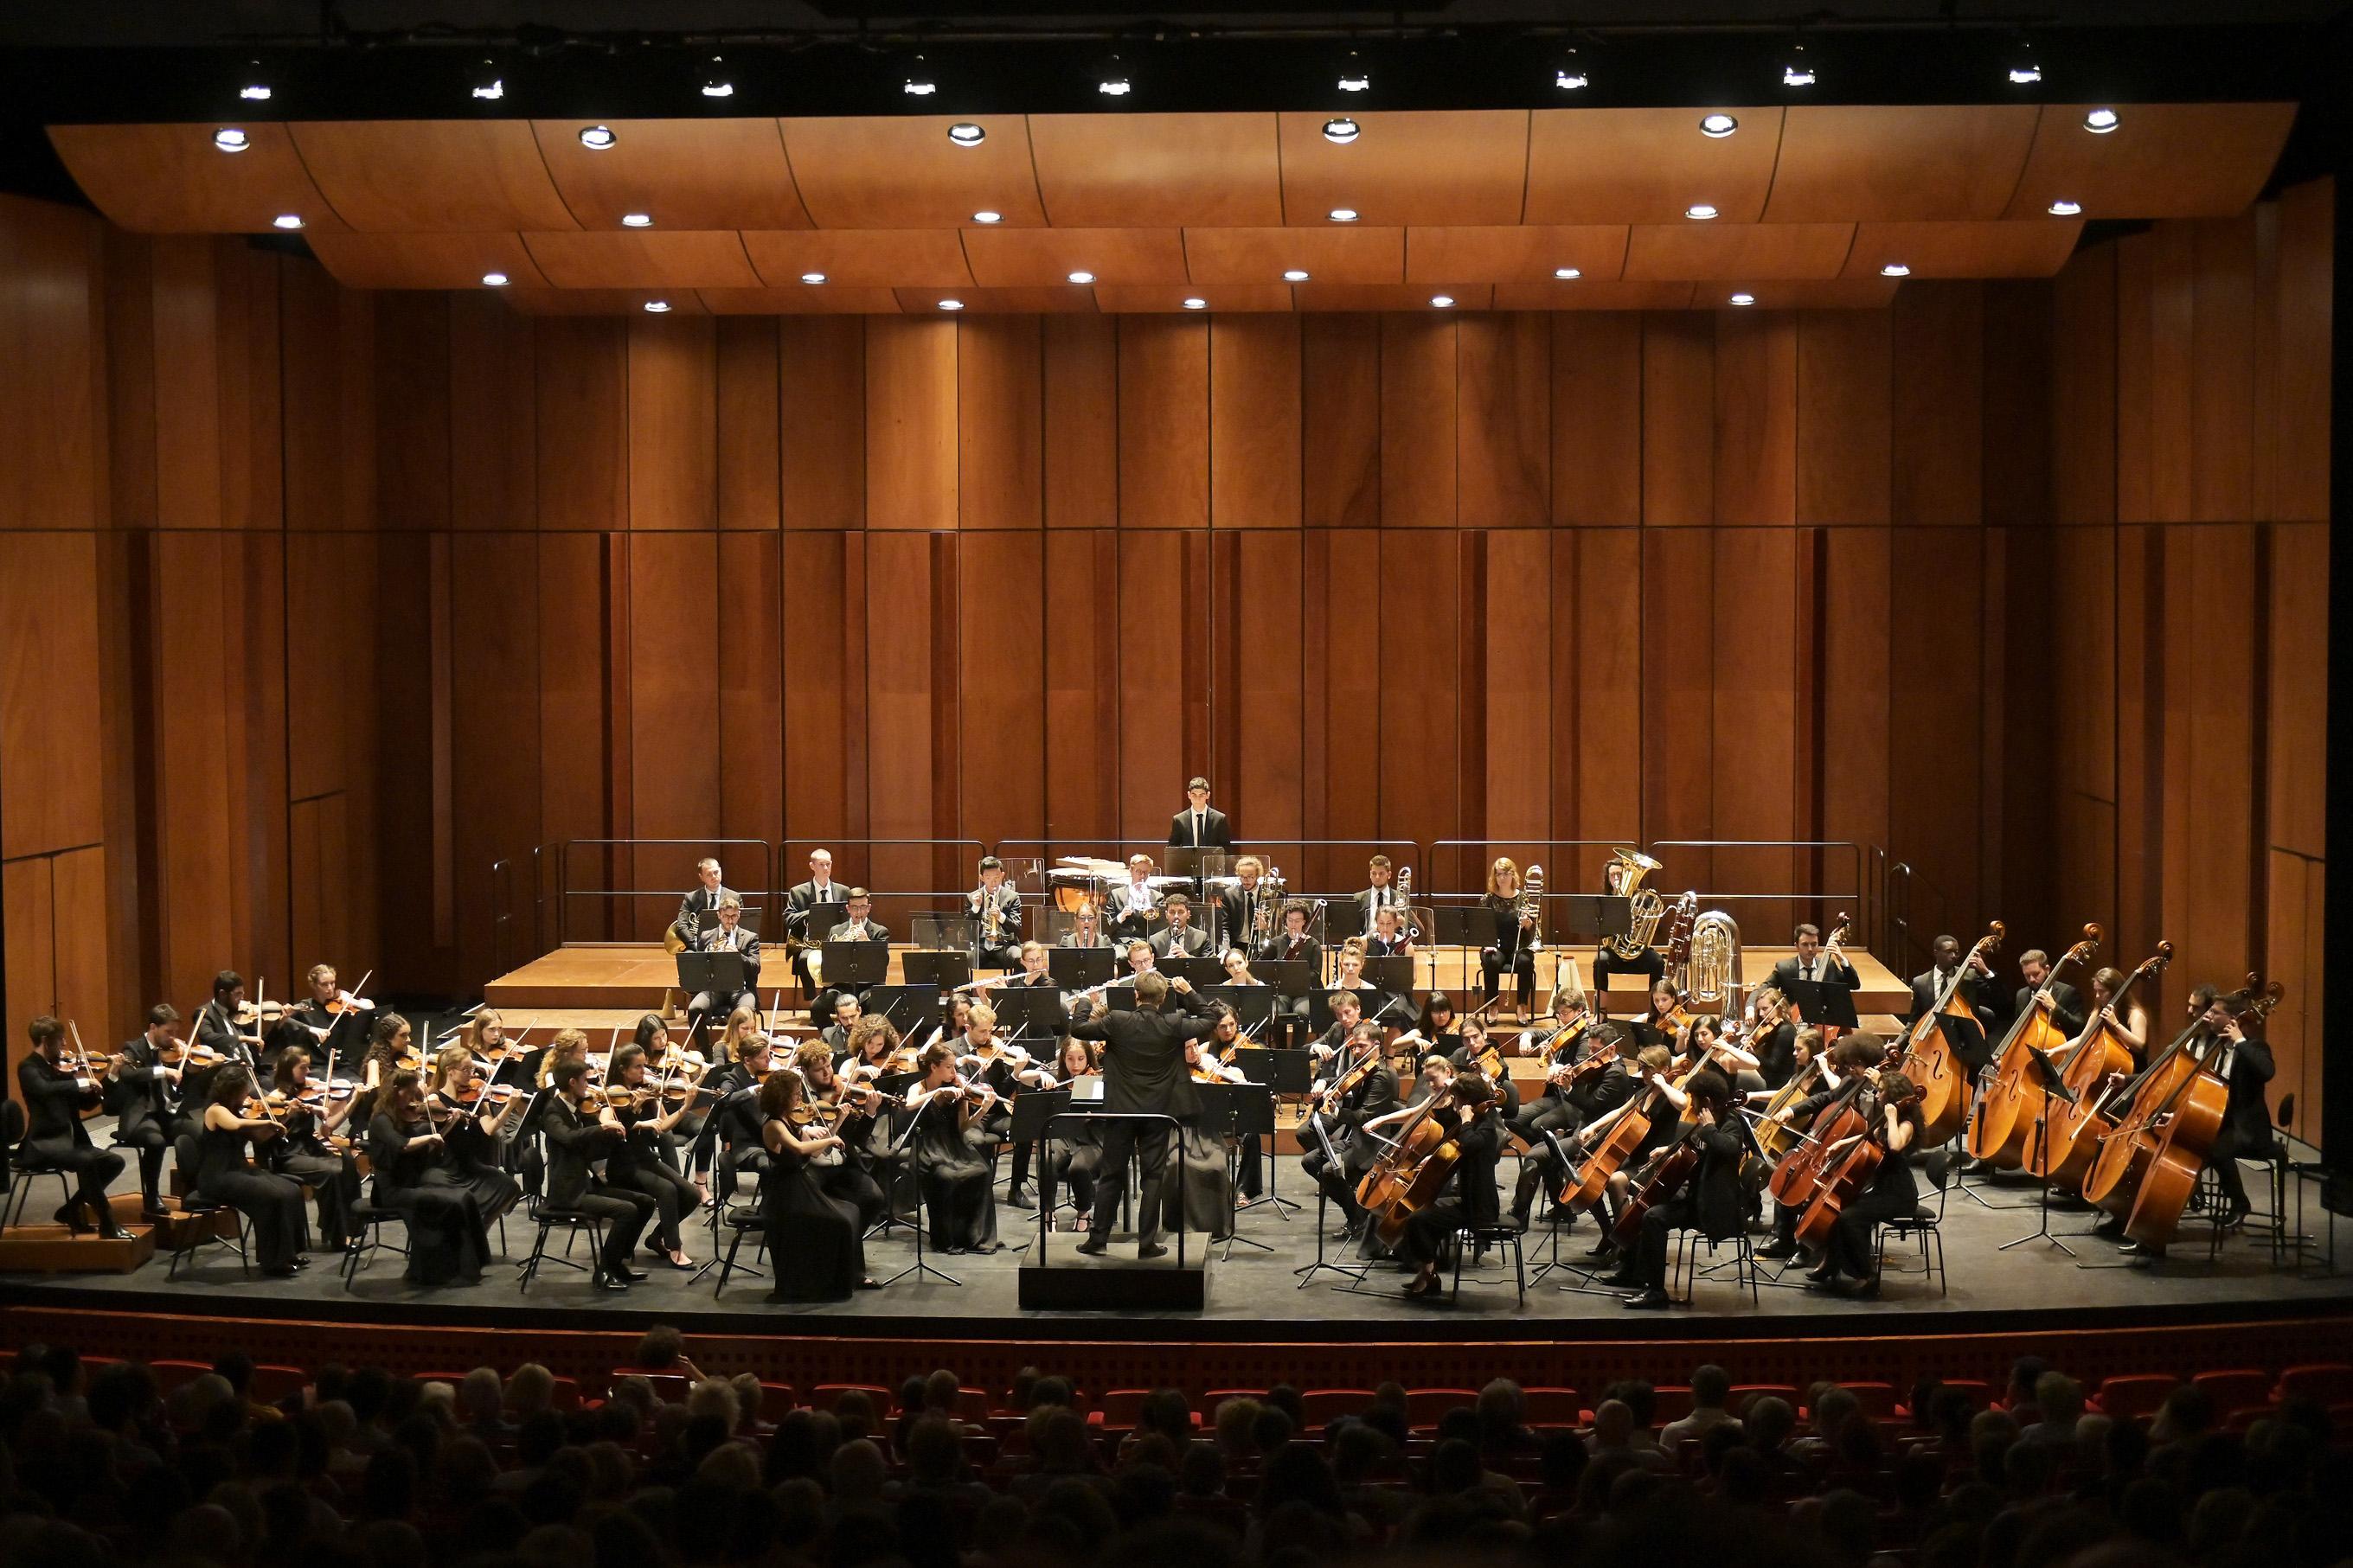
229, 139
657, 306
2025, 70
636, 220
2062, 208
951, 304
1356, 76
1341, 128
1342, 214
1442, 300
1699, 210
1799, 69
1567, 272
919, 81
1744, 298
1895, 269
812, 277
287, 221
1568, 71
1294, 275
965, 133
1196, 303
1082, 276
715, 81
1717, 125
1112, 80
487, 84
494, 279
596, 137
2100, 122
984, 216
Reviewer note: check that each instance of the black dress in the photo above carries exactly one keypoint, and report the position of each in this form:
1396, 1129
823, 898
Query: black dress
813, 1238
1890, 1195
272, 1205
304, 1154
954, 1178
449, 1241
469, 1158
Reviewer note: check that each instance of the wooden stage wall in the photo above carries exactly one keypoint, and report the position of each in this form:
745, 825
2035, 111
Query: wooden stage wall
313, 603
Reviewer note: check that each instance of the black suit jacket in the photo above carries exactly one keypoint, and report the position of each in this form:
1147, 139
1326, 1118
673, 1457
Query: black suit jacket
576, 1140
2247, 1115
1840, 972
2067, 1009
1971, 1046
697, 903
1143, 1059
53, 1102
1195, 943
803, 898
746, 944
139, 1095
1215, 833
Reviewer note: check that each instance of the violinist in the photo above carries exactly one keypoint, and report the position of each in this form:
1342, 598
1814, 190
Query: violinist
1772, 1036
1474, 1052
140, 1084
853, 1181
1436, 1022
1216, 1056
677, 1071
1006, 1069
1072, 1153
872, 1051
317, 1019
217, 1043
486, 1042
56, 1087
1512, 946
1597, 1097
313, 1152
1561, 1043
271, 1204
730, 935
1663, 1023
449, 1240
813, 1237
472, 1117
731, 1129
580, 1131
742, 1028
1345, 1107
1702, 1043
1207, 1187
1709, 1201
389, 1052
1472, 1116
641, 1162
1852, 1054
948, 1143
569, 1045
1894, 1122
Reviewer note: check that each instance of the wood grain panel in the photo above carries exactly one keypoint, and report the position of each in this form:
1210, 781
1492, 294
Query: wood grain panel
1420, 782
1753, 762
495, 760
1515, 628
1082, 685
1756, 417
28, 900
1678, 768
872, 258
687, 173
493, 408
50, 336
1594, 294
2083, 390
1164, 423
2222, 387
1844, 378
825, 621
2211, 702
1597, 418
1678, 398
1419, 379
750, 673
999, 417
1802, 294
1270, 715
1328, 255
2296, 956
1340, 383
49, 698
172, 179
1898, 161
1503, 420
643, 259
188, 477
1003, 258
1351, 681
1254, 422
673, 401
625, 303
2034, 247
1934, 406
674, 775
2172, 325
2162, 160
996, 301
910, 424
1081, 439
425, 260
439, 176
195, 841
1443, 166
1934, 693
584, 443
799, 300
822, 400
889, 173
2307, 220
2299, 699
326, 684
1853, 595
1514, 252
1737, 252
900, 694
1147, 171
1152, 690
86, 977
1646, 165
1002, 665
749, 489
1217, 299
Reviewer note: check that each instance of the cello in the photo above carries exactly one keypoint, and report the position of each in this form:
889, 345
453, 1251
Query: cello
2010, 1104
1849, 1173
1629, 1126
1929, 1060
2063, 1154
2178, 1146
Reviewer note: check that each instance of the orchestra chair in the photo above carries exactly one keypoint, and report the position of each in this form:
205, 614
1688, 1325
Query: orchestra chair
1482, 1237
23, 1165
743, 1220
571, 1221
1925, 1223
1684, 1269
2277, 1168
367, 1222
197, 1204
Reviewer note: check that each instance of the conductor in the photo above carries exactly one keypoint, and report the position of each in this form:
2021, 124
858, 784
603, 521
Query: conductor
1144, 1071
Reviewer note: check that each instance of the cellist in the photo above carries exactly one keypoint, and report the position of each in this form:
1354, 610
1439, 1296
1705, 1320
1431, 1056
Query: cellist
1651, 1067
1472, 1117
1852, 1054
1895, 1120
1710, 1202
1590, 1095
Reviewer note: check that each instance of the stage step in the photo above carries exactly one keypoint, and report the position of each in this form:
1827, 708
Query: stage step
54, 1249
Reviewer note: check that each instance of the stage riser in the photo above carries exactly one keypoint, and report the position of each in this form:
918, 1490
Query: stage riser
53, 1249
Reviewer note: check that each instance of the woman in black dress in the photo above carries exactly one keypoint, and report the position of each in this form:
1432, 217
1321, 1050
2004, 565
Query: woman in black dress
1072, 1153
853, 1181
639, 1163
474, 1119
315, 1152
1514, 947
950, 1167
449, 1241
813, 1239
1471, 1115
272, 1205
1896, 1122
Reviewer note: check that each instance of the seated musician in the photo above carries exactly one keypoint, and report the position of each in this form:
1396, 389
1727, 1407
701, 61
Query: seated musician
846, 1013
55, 1092
1238, 969
1893, 1106
139, 1085
1470, 1053
580, 1133
1977, 993
2231, 1046
853, 1181
858, 925
1137, 904
1810, 963
1072, 1154
874, 1052
313, 1022
1655, 1064
1511, 946
1382, 895
1182, 937
1086, 930
699, 902
1666, 1018
218, 1042
1294, 945
1433, 1084
1347, 1017
1240, 906
994, 909
1596, 1096
1436, 1022
730, 1135
1805, 1048
1374, 1094
982, 1057
315, 1150
1139, 955
804, 897
1561, 1043
950, 1151
1212, 1060
1772, 1036
2129, 1027
1473, 1117
2067, 1009
1855, 1053
1034, 973
728, 935
1702, 1043
1710, 1199
1389, 938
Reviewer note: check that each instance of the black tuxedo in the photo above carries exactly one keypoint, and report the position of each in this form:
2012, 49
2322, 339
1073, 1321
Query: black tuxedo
1827, 971
139, 1096
55, 1135
1190, 943
1008, 901
803, 898
714, 939
575, 1142
1143, 1070
1970, 1045
1212, 831
2067, 1009
1238, 909
691, 909
1375, 899
1129, 923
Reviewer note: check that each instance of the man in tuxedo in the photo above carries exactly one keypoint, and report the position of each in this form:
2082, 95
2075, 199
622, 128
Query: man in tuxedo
820, 889
1809, 963
139, 1093
860, 925
994, 893
1966, 1038
1382, 895
1182, 939
1238, 906
1137, 904
2067, 1010
699, 902
731, 1129
728, 935
1144, 1071
1199, 826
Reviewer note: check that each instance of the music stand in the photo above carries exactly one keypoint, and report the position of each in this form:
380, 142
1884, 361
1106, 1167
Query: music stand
1824, 1002
856, 966
1290, 977
895, 1084
1033, 1109
1202, 970
1568, 1169
1030, 1010
1354, 1273
1588, 916
2054, 1088
1390, 972
941, 971
900, 1142
908, 1007
1343, 918
1253, 1102
1253, 1005
936, 932
718, 974
1079, 968
819, 920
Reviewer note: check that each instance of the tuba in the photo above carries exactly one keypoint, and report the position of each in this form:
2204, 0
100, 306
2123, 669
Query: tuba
1623, 877
1712, 972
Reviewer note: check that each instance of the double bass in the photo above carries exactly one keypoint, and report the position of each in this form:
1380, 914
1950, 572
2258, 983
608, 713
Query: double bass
1928, 1058
2063, 1154
2009, 1103
2178, 1145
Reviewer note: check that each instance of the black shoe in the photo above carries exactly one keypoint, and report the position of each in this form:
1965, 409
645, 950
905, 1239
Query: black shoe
1520, 1221
1603, 1249
1868, 1291
284, 1271
608, 1282
303, 1261
1624, 1279
1647, 1301
2141, 1249
1151, 1249
71, 1216
2236, 1214
627, 1275
1094, 1246
1823, 1273
1778, 1251
1020, 1197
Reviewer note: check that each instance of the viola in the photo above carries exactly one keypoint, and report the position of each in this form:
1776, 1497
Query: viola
1929, 1060
2009, 1107
2063, 1155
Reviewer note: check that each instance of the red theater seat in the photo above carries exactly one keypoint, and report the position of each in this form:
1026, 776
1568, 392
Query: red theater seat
1424, 1407
2330, 1382
2137, 1393
2244, 1388
1325, 1405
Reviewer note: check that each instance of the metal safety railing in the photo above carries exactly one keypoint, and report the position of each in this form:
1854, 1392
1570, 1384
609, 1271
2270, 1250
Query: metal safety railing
626, 902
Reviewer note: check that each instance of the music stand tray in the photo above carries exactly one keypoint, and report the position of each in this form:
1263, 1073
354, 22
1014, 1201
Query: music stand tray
856, 963
1078, 968
940, 971
1390, 972
1824, 1001
821, 919
1282, 1070
1343, 918
908, 1007
1289, 976
1253, 1005
720, 974
1200, 969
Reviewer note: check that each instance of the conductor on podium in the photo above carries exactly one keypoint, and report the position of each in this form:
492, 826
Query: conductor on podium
1143, 1072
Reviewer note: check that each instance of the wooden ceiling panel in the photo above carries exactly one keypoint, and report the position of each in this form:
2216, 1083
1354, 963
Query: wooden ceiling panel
1161, 299
602, 301
1899, 163
1593, 294
1646, 165
1744, 252
688, 174
2034, 247
876, 172
1393, 296
2162, 160
447, 176
1017, 258
800, 300
866, 259
1516, 253
1438, 167
424, 261
1328, 255
1066, 300
1157, 170
171, 179
1800, 294
650, 258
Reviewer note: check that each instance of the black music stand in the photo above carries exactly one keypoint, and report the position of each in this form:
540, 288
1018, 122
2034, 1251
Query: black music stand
900, 1146
2054, 1088
1254, 1108
1287, 976
856, 966
1343, 918
908, 1007
1253, 1005
1824, 1002
939, 970
895, 1084
1352, 1272
1586, 1276
719, 974
1079, 968
819, 920
1202, 968
1586, 917
1390, 972
1031, 1012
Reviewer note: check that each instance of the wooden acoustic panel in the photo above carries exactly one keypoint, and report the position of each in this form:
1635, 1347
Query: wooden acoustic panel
881, 172
1515, 253
1452, 166
1744, 251
1646, 165
1394, 297
1331, 255
802, 299
648, 258
1157, 170
1593, 294
2026, 248
444, 176
424, 261
1017, 258
998, 301
1160, 299
171, 179
601, 302
2162, 160
870, 258
686, 173
1898, 161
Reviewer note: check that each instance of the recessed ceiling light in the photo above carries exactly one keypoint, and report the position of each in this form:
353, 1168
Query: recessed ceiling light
1342, 214
636, 220
1356, 76
1195, 303
1341, 128
287, 220
656, 305
255, 91
951, 304
487, 84
229, 139
1699, 210
715, 83
1442, 300
1112, 80
920, 82
1294, 275
1744, 298
1082, 276
2062, 208
1565, 272
596, 137
1895, 269
985, 216
1800, 69
1717, 125
812, 277
1568, 71
494, 279
2025, 74
965, 133
2100, 122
